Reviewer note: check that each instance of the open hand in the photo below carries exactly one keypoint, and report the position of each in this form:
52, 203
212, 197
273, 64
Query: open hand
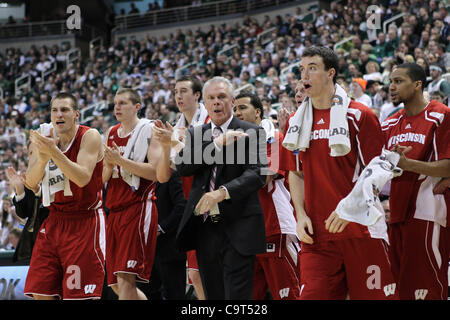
162, 133
45, 146
16, 180
229, 137
13, 177
282, 116
208, 201
305, 229
167, 135
334, 224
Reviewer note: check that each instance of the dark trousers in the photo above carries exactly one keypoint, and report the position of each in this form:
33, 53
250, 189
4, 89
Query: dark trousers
168, 279
226, 274
173, 278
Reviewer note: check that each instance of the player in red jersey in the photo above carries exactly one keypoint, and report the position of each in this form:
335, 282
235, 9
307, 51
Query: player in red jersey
68, 257
130, 161
277, 268
419, 217
354, 262
188, 91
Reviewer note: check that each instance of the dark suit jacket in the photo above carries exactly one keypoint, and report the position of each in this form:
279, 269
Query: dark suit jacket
170, 202
29, 207
241, 214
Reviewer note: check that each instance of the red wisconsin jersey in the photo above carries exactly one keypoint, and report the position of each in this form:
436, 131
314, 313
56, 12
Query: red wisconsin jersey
88, 197
186, 184
279, 216
120, 195
429, 134
329, 179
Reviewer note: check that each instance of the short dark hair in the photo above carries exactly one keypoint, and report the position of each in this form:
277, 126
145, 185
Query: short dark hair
254, 101
65, 95
196, 84
329, 58
414, 72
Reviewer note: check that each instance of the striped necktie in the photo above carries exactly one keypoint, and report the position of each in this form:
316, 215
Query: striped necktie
212, 183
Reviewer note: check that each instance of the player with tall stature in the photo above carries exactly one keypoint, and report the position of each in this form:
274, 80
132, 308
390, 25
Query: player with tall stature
130, 160
335, 138
188, 93
420, 197
68, 257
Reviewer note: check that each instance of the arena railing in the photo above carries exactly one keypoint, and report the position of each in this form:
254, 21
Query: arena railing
245, 87
342, 43
22, 82
276, 106
20, 138
25, 81
72, 55
185, 13
32, 29
265, 37
184, 70
388, 21
94, 44
36, 29
46, 73
227, 52
286, 70
88, 114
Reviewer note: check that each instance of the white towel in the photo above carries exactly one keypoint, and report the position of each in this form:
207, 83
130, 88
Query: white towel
199, 118
299, 134
136, 150
339, 140
362, 204
48, 189
269, 128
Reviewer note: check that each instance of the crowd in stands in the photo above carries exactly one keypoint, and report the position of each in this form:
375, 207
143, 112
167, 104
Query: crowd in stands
152, 64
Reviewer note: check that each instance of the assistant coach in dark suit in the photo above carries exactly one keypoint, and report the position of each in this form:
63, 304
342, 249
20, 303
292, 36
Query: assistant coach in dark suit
169, 261
226, 243
28, 206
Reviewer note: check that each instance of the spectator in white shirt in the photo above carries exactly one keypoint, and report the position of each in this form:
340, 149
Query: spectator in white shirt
158, 92
20, 106
44, 64
247, 65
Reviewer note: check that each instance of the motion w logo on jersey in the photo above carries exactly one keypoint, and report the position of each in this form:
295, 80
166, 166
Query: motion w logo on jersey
389, 289
420, 294
131, 264
89, 288
284, 293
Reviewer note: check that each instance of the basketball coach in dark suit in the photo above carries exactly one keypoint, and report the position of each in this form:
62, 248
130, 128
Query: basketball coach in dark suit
170, 263
223, 220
